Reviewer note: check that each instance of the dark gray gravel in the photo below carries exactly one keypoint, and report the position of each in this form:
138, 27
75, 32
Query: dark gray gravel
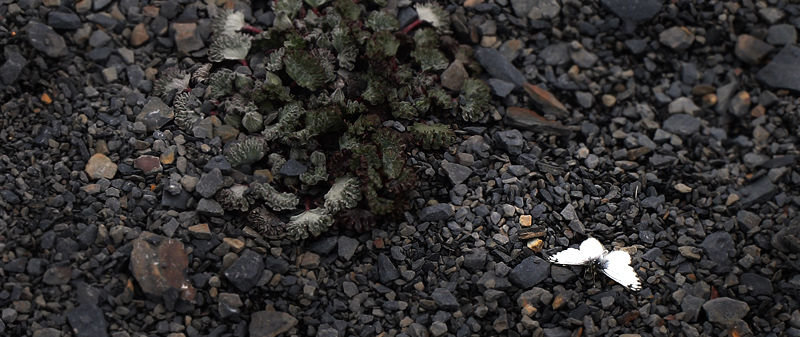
669, 130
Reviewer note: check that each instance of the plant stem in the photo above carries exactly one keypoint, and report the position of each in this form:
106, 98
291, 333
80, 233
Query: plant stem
412, 25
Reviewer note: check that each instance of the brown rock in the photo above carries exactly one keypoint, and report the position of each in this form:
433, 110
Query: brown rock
270, 323
226, 132
168, 157
530, 120
740, 104
549, 104
472, 3
454, 76
200, 231
187, 38
235, 244
160, 264
151, 11
99, 166
525, 220
677, 38
139, 35
751, 50
148, 164
308, 260
83, 6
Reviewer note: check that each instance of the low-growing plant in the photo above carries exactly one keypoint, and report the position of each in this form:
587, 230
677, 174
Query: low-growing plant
342, 93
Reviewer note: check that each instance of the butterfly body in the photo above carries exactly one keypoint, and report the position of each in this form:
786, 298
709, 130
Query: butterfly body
616, 265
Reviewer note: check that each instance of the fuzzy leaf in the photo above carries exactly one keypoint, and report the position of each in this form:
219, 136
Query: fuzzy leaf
403, 110
271, 89
432, 136
434, 14
474, 99
312, 222
289, 7
380, 20
376, 91
266, 222
316, 3
377, 204
318, 172
171, 79
229, 47
201, 74
253, 121
364, 124
391, 149
305, 69
384, 44
227, 22
184, 105
282, 22
344, 194
233, 198
426, 38
430, 59
278, 201
288, 120
221, 83
440, 97
348, 9
249, 151
325, 59
275, 61
320, 121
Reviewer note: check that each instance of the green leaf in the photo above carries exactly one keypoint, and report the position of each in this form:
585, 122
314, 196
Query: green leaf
348, 9
229, 47
430, 59
305, 69
426, 38
221, 83
474, 99
227, 22
247, 152
380, 20
289, 7
384, 43
434, 14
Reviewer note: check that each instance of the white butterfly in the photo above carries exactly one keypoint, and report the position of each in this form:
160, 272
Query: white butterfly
616, 264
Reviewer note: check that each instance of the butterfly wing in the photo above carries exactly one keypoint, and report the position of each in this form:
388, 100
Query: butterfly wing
617, 266
570, 256
592, 248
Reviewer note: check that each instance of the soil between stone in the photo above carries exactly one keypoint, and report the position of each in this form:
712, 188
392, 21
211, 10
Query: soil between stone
668, 130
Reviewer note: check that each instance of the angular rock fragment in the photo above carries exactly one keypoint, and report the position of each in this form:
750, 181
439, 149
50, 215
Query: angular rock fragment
159, 265
782, 71
530, 120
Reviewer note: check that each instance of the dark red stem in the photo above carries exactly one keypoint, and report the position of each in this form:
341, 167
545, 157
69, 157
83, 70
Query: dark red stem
243, 62
252, 30
412, 26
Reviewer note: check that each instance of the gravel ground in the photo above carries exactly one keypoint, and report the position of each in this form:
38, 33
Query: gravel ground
670, 131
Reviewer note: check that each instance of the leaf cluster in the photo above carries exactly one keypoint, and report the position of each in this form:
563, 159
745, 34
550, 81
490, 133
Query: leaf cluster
317, 112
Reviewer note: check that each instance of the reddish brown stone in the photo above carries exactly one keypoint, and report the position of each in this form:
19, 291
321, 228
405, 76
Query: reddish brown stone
160, 264
148, 164
546, 101
270, 323
100, 166
530, 120
139, 35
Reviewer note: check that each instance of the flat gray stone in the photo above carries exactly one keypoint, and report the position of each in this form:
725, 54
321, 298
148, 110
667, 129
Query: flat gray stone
498, 66
46, 40
782, 71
